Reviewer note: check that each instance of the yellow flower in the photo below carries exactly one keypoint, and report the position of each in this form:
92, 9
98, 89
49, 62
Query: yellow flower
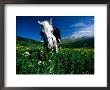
27, 48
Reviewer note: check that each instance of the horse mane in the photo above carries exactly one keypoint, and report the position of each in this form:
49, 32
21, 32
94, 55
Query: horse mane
56, 33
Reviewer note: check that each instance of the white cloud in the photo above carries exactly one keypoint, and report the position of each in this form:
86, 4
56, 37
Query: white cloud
82, 30
80, 24
86, 31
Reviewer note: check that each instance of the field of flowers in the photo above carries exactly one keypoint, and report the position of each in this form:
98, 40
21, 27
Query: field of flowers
35, 60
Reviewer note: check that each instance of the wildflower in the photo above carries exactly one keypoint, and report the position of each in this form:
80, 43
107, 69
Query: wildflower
41, 51
39, 62
30, 65
42, 62
26, 54
27, 48
50, 60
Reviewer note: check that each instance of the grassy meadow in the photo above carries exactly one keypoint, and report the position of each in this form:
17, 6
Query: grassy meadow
75, 57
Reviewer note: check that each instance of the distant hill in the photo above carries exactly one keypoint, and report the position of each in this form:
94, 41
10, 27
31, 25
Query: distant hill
24, 39
26, 42
87, 42
78, 42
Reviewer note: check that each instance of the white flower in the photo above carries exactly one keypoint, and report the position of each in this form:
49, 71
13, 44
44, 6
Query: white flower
26, 54
42, 62
50, 60
41, 51
39, 62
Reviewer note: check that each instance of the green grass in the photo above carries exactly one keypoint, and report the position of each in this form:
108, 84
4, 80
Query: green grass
66, 61
75, 57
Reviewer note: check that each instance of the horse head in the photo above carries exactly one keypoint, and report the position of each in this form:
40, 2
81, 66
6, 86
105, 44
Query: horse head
47, 34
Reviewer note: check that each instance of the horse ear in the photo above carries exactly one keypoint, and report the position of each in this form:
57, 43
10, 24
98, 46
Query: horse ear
39, 22
50, 21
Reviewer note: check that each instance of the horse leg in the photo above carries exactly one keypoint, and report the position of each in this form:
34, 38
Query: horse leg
56, 48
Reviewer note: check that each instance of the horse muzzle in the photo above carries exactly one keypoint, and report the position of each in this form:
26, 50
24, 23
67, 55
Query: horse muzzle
50, 46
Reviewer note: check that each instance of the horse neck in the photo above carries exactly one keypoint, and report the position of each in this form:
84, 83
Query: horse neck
49, 33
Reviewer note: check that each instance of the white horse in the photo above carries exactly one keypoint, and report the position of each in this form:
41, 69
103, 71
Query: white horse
46, 32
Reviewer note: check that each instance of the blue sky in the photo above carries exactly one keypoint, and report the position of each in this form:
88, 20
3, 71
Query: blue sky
70, 26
